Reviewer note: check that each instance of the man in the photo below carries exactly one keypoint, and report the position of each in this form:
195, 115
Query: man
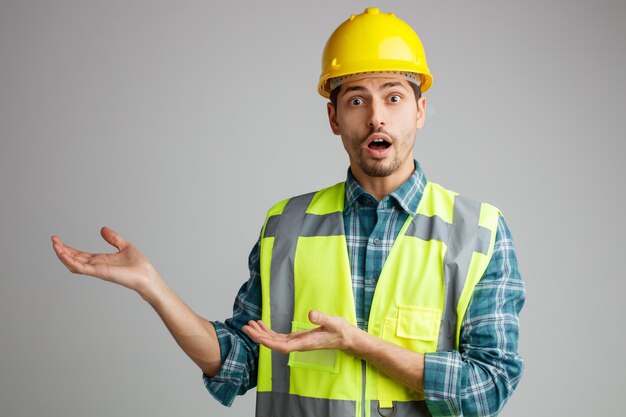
383, 295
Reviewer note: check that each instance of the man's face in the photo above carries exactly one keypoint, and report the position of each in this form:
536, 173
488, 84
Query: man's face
377, 119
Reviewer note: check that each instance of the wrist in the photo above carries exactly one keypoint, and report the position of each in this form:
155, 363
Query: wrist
152, 286
354, 341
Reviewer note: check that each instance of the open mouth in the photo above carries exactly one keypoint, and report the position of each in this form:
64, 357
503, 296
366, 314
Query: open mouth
379, 144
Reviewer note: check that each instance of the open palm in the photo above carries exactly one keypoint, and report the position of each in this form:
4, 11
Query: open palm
333, 333
128, 267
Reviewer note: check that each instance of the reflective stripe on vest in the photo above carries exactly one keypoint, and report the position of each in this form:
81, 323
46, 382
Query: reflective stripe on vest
463, 237
270, 404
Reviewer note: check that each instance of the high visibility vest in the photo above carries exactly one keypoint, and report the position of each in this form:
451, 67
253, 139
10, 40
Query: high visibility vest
419, 303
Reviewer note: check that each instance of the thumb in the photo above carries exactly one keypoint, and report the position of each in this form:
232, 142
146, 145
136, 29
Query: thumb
113, 238
317, 317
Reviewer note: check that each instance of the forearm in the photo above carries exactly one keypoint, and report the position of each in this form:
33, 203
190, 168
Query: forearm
195, 335
485, 377
403, 365
487, 367
485, 380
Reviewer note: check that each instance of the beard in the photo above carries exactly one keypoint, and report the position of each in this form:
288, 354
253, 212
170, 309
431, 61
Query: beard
378, 168
373, 167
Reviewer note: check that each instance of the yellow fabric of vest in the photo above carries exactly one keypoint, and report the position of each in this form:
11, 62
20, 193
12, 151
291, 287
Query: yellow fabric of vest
407, 307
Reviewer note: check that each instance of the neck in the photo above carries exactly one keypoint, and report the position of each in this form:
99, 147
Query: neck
379, 187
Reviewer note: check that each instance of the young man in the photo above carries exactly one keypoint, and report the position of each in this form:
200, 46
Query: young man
384, 294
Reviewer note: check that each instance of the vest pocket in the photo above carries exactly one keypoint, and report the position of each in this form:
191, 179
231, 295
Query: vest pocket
326, 360
415, 328
418, 323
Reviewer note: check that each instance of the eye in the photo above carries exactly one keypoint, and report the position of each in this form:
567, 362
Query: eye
356, 101
395, 98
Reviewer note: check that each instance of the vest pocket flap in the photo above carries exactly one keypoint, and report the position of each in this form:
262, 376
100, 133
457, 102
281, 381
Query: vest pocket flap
418, 323
322, 359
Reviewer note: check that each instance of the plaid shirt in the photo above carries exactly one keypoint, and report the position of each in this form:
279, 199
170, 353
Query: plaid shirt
476, 380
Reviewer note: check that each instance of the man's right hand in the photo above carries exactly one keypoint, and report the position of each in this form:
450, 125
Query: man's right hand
131, 268
128, 267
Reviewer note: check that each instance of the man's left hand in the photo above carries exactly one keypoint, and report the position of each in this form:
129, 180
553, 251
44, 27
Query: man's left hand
333, 333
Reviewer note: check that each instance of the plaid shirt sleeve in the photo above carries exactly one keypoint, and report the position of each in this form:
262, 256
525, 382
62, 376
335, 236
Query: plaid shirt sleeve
479, 378
239, 353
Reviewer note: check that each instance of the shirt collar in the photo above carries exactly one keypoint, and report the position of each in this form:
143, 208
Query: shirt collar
407, 196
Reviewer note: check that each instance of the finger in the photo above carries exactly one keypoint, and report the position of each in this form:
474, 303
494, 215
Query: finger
253, 329
332, 323
75, 265
257, 336
280, 342
113, 238
60, 247
262, 330
266, 329
317, 317
57, 244
264, 333
250, 332
272, 343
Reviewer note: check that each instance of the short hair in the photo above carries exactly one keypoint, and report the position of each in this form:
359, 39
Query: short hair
417, 90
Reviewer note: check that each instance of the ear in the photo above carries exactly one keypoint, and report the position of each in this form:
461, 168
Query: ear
332, 118
421, 112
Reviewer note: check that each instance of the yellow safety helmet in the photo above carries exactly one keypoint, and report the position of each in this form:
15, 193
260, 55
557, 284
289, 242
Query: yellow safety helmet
373, 41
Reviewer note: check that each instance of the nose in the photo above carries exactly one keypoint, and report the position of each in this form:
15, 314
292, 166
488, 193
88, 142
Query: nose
377, 116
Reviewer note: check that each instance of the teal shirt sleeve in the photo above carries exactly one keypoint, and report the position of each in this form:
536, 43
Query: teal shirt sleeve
479, 378
239, 353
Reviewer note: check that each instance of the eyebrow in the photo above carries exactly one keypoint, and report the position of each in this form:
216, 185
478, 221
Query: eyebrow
353, 88
391, 84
